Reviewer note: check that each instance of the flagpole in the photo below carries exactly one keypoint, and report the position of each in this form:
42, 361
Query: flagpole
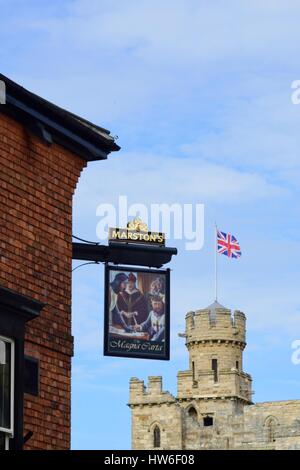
216, 263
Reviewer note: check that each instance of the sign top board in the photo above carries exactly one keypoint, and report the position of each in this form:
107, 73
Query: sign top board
136, 232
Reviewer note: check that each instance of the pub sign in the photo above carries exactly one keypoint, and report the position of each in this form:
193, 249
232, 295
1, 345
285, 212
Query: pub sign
137, 312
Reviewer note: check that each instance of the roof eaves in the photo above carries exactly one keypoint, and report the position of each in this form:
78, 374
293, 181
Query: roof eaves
69, 130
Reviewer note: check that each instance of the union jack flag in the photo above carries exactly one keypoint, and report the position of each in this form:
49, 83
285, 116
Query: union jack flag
228, 245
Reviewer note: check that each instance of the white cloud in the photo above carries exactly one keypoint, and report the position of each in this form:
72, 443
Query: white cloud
259, 134
113, 59
173, 29
149, 178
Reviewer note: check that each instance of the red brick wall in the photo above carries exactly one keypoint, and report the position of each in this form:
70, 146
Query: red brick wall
37, 183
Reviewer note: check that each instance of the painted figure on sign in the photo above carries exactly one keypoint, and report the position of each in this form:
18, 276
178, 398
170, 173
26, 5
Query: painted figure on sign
132, 304
155, 323
117, 286
156, 290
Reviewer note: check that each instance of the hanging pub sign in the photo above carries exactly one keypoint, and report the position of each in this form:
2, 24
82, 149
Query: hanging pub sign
136, 232
137, 313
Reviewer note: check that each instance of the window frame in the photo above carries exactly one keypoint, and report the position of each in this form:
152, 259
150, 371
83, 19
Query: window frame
9, 433
15, 311
6, 438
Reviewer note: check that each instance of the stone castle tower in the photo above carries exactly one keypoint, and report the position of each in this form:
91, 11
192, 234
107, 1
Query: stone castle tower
213, 408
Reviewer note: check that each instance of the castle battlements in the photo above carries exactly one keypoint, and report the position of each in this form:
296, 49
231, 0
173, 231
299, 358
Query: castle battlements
213, 408
215, 323
153, 393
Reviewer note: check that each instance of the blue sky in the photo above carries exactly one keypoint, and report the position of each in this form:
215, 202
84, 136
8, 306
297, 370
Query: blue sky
199, 93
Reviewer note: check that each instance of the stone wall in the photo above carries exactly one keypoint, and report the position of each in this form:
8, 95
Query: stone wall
150, 407
210, 414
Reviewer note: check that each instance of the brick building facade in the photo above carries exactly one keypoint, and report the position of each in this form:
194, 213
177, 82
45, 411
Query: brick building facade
213, 408
43, 150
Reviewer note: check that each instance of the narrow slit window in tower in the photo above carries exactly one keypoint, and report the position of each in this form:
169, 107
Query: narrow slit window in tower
214, 366
156, 437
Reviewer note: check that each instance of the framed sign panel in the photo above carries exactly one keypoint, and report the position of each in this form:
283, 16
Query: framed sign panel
137, 313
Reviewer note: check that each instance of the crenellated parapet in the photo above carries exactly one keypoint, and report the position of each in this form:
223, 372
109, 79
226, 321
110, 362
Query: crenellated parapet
152, 394
215, 338
216, 324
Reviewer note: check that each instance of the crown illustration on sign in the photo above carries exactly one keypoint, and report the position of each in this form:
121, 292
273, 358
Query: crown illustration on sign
138, 225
